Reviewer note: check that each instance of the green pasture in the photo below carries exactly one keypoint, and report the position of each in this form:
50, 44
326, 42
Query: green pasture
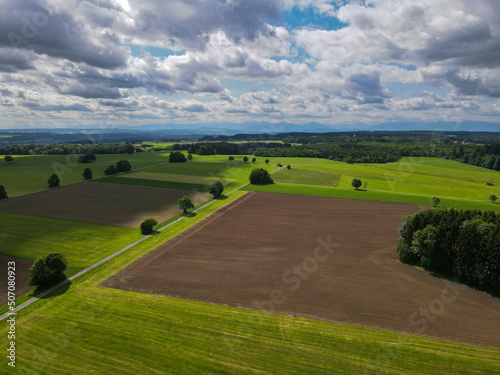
28, 174
30, 237
203, 170
87, 329
380, 196
306, 177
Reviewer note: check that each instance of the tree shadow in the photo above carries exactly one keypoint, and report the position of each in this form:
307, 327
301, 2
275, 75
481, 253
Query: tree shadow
58, 292
222, 197
191, 214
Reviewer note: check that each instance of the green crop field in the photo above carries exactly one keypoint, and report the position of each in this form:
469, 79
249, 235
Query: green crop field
29, 237
203, 170
306, 177
85, 328
411, 180
28, 174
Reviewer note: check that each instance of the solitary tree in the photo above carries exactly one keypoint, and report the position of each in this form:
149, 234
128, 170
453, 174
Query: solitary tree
254, 160
288, 166
123, 166
231, 158
356, 183
259, 176
215, 190
245, 159
48, 270
87, 174
3, 192
436, 201
8, 158
267, 161
110, 170
493, 198
190, 157
148, 225
185, 204
365, 185
53, 181
279, 165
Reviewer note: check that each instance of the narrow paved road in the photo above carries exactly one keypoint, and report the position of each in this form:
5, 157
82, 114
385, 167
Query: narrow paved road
102, 261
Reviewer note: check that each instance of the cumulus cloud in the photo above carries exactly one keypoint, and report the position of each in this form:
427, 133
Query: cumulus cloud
77, 59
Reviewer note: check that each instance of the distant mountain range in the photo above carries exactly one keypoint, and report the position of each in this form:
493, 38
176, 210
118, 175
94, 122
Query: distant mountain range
196, 131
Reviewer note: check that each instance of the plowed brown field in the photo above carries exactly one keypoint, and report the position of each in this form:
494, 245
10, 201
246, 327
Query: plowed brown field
103, 203
22, 274
321, 258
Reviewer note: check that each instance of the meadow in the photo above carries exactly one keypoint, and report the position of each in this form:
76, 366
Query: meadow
203, 170
30, 237
91, 329
28, 174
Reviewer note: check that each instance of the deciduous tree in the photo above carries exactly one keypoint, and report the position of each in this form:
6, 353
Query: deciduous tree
185, 204
53, 181
356, 183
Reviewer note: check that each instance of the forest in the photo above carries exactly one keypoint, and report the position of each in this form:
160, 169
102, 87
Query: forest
457, 244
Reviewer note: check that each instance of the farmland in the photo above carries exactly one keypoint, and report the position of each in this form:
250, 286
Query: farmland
335, 283
103, 203
28, 174
29, 237
131, 333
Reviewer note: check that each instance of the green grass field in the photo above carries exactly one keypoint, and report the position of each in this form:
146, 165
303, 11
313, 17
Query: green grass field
380, 196
203, 170
30, 237
411, 180
28, 174
90, 329
306, 177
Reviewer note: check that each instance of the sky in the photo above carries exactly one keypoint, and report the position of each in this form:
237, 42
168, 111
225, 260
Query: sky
94, 63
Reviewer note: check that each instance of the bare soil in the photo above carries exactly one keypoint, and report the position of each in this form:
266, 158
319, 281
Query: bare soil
22, 274
264, 252
103, 203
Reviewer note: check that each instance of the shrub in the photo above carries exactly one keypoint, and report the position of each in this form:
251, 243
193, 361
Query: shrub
177, 157
123, 166
148, 225
87, 158
260, 176
110, 170
53, 181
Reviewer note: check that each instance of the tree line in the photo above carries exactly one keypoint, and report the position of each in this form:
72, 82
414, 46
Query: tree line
68, 149
457, 244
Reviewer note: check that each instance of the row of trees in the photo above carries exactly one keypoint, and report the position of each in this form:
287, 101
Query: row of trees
225, 148
68, 149
457, 244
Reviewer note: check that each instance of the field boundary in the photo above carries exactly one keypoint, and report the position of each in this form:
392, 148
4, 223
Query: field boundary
79, 182
102, 261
